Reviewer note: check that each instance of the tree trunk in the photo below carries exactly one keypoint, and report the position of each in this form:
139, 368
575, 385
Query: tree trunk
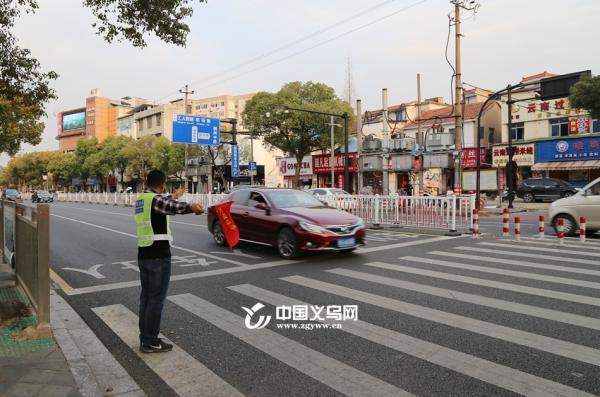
297, 171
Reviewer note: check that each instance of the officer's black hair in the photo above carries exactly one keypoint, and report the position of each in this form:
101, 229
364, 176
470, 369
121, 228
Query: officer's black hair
155, 178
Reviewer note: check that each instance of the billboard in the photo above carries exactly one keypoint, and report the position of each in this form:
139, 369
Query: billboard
568, 150
73, 121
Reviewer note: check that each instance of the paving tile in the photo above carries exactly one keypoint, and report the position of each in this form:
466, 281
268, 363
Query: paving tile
86, 382
55, 391
87, 341
67, 344
116, 385
70, 319
23, 390
38, 376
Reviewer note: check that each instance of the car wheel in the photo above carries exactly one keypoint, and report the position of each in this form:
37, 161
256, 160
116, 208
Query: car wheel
567, 194
528, 197
570, 226
218, 234
287, 244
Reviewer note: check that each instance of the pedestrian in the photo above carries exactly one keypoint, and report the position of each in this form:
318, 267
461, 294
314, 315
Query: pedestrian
408, 189
152, 212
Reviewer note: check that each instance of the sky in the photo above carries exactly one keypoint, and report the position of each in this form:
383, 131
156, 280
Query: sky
387, 43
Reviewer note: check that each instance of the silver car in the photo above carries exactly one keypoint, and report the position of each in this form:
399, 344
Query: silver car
585, 203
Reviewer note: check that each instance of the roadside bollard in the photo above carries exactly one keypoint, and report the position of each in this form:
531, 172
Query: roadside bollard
518, 228
505, 225
561, 231
475, 223
541, 226
582, 229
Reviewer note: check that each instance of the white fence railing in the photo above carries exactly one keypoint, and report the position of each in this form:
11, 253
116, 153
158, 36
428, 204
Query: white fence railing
441, 212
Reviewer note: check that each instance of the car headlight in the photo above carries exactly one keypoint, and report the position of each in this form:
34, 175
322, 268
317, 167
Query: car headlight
309, 227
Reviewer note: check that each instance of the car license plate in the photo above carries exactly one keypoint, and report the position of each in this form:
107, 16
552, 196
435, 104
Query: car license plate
346, 242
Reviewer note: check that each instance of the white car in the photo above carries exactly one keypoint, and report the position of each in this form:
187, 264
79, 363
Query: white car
585, 202
326, 191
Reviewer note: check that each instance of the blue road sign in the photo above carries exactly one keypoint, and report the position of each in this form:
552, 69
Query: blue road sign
252, 168
235, 161
196, 130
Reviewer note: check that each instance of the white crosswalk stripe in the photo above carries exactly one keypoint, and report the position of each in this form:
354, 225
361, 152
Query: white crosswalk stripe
335, 374
554, 243
540, 342
530, 255
185, 375
487, 371
561, 251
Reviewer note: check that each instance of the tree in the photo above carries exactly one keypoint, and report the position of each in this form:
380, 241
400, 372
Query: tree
112, 148
585, 94
64, 168
25, 88
295, 133
139, 156
85, 149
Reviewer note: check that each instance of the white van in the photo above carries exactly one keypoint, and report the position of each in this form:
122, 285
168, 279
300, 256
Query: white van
585, 203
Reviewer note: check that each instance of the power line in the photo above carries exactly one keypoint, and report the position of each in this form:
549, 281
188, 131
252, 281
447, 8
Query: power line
288, 45
279, 60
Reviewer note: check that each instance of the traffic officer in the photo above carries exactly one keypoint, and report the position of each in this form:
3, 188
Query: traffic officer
152, 212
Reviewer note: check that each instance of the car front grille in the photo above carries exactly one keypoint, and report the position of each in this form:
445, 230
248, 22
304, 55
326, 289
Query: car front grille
342, 230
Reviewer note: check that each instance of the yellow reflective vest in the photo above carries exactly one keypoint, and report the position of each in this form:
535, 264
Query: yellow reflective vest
143, 222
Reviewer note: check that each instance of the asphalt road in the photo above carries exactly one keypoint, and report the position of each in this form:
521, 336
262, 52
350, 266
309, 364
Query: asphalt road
437, 316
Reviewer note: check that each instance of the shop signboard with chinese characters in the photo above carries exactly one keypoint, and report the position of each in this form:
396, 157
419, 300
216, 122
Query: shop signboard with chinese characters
287, 166
321, 163
568, 149
524, 155
579, 125
470, 157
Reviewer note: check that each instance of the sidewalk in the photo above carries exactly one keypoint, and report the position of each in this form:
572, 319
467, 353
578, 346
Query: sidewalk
66, 360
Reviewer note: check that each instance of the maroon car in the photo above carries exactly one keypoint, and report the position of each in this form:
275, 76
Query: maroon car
290, 220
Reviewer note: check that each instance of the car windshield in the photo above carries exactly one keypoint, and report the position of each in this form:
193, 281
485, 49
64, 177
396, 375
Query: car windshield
43, 193
293, 198
11, 191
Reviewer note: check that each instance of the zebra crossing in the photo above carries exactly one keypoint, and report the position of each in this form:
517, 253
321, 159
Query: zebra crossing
466, 320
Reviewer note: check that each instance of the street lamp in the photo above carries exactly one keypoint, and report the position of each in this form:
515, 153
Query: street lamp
346, 117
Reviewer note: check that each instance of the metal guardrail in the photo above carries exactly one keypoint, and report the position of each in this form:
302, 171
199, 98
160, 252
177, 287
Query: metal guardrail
443, 212
25, 245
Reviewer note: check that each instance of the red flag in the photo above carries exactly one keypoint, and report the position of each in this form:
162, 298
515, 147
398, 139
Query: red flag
230, 229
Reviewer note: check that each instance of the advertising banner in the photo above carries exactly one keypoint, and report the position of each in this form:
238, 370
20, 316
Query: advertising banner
321, 163
287, 166
470, 157
568, 150
524, 155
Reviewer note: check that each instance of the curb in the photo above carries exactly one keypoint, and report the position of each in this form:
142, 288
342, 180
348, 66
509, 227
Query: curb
96, 371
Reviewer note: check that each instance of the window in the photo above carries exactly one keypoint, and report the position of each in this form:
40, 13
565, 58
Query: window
240, 197
140, 124
517, 132
596, 126
256, 198
222, 103
158, 117
149, 122
559, 126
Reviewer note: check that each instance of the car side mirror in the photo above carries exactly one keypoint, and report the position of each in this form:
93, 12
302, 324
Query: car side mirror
587, 192
261, 206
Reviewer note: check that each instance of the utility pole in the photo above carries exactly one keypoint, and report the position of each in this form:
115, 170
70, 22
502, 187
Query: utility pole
359, 138
510, 165
252, 159
332, 154
385, 141
458, 90
420, 138
185, 111
458, 127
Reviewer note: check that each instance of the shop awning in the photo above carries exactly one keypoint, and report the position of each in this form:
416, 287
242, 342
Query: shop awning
566, 165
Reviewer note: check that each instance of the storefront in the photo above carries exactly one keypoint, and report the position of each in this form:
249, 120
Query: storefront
572, 159
488, 177
524, 156
321, 167
438, 176
287, 168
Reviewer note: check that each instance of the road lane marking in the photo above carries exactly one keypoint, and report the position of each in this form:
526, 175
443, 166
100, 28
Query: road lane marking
530, 255
504, 272
528, 339
546, 293
184, 374
475, 367
533, 311
124, 214
180, 277
494, 260
237, 252
60, 282
553, 242
92, 271
335, 374
400, 245
134, 236
544, 249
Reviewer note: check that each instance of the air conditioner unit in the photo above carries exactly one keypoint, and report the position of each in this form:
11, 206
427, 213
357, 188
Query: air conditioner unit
442, 141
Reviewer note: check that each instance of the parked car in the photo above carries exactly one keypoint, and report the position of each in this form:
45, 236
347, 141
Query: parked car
533, 189
585, 203
41, 196
326, 191
290, 220
11, 194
